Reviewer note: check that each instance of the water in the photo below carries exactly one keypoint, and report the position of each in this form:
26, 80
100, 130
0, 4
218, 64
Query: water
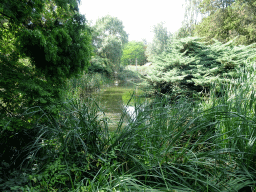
113, 101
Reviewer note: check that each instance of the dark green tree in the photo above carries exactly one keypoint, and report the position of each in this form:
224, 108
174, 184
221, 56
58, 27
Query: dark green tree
42, 43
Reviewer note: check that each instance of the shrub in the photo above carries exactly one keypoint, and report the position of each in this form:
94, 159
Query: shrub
189, 66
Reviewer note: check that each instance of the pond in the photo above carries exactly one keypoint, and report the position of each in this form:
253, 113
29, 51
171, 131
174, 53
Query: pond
114, 100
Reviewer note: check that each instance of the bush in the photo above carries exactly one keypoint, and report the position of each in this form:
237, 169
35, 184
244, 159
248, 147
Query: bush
189, 66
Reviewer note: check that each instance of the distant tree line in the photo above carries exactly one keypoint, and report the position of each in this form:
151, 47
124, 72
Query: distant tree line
222, 20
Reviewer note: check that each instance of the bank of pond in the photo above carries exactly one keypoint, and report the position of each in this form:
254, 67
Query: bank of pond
182, 145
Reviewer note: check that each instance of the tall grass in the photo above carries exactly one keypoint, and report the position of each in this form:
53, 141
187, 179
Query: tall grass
87, 82
179, 146
235, 109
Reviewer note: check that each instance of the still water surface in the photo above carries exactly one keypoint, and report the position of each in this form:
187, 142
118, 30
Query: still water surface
113, 101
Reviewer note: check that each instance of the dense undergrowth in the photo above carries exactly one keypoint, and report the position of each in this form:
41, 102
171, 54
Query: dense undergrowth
88, 82
186, 144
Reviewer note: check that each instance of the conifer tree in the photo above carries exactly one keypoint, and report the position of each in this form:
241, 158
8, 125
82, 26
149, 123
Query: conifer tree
190, 66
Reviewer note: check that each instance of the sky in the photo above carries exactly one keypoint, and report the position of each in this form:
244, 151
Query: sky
138, 16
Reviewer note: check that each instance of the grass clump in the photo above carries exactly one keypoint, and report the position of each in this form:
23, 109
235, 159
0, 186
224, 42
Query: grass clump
86, 83
185, 146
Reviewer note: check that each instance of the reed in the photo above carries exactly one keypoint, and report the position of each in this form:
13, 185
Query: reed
182, 145
179, 147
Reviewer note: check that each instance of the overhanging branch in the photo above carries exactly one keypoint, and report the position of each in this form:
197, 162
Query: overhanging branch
6, 15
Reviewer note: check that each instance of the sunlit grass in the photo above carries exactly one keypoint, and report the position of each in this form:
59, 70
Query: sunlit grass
182, 145
177, 147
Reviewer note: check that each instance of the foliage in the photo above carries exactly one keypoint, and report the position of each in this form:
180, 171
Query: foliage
108, 40
228, 21
183, 32
161, 40
12, 179
191, 18
100, 65
55, 31
129, 77
212, 6
42, 44
237, 98
80, 87
189, 66
112, 50
134, 50
185, 146
40, 48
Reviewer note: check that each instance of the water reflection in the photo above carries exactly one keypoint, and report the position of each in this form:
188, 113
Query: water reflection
110, 99
113, 101
130, 110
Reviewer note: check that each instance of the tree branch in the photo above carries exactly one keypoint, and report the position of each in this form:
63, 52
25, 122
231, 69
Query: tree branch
6, 15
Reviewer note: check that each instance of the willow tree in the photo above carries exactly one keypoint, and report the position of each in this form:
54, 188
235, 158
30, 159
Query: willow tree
109, 38
160, 41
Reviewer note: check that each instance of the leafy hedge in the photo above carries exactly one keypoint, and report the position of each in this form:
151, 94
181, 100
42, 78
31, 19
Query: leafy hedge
190, 66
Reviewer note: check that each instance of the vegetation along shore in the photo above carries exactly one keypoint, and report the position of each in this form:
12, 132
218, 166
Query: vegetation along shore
189, 123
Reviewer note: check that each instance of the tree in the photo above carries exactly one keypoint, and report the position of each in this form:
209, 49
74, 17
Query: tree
191, 18
42, 43
134, 50
189, 66
183, 32
236, 20
195, 10
54, 40
160, 40
210, 6
109, 39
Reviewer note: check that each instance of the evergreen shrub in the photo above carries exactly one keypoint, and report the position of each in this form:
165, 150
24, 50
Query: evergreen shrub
190, 66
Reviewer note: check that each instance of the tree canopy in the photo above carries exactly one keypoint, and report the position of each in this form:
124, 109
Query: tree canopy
51, 33
160, 40
42, 44
109, 38
134, 50
221, 19
235, 21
